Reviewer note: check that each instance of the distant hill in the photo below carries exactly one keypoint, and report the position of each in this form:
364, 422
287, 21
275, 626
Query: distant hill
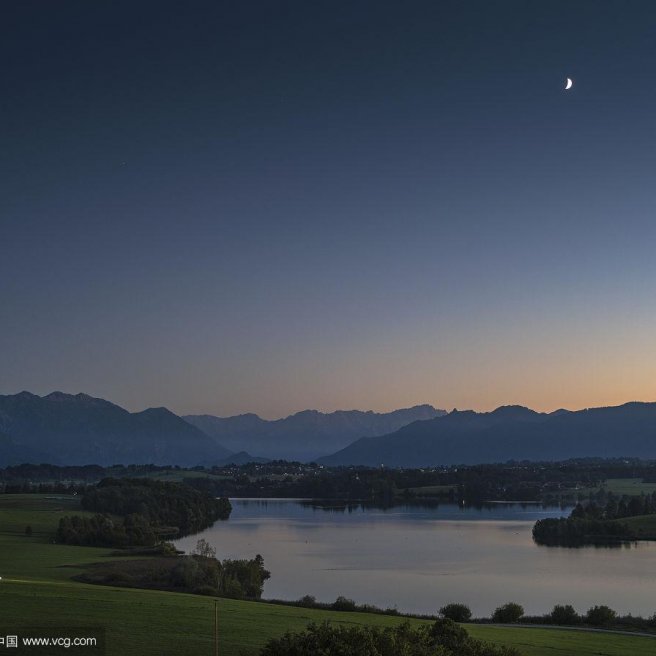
305, 435
79, 429
510, 433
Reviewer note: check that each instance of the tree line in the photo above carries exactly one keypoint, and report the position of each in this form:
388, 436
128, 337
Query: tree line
598, 616
105, 531
546, 482
596, 522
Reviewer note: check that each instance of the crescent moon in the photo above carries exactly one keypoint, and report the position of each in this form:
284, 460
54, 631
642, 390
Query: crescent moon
569, 84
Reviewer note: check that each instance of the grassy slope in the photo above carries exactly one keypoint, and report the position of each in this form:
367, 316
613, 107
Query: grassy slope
176, 475
151, 622
36, 590
36, 557
644, 526
629, 486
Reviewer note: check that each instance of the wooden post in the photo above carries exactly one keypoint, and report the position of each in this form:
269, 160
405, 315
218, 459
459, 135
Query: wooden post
216, 628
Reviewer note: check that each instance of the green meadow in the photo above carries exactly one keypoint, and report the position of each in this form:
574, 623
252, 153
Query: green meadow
36, 590
629, 486
644, 526
619, 486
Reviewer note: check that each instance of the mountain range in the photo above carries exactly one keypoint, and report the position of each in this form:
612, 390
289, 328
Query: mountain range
510, 433
80, 429
306, 435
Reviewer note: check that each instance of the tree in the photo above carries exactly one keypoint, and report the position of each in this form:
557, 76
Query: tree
564, 615
508, 613
456, 612
139, 530
204, 549
308, 601
244, 578
600, 616
342, 603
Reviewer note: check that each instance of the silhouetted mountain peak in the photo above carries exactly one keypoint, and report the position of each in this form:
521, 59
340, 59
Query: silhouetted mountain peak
59, 396
63, 397
305, 413
249, 415
514, 412
459, 415
307, 434
511, 433
156, 412
78, 429
638, 404
26, 395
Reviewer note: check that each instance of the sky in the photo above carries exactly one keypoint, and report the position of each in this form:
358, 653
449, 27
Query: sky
232, 207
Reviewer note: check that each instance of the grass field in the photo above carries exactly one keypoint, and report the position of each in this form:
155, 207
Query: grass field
177, 476
629, 486
36, 590
174, 475
644, 526
619, 486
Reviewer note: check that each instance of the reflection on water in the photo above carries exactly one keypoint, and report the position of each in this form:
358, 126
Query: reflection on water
417, 558
339, 505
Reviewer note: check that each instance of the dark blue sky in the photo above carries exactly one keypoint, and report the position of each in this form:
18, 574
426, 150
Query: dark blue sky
267, 206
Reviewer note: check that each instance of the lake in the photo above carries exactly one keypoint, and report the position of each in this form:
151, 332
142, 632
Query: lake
419, 558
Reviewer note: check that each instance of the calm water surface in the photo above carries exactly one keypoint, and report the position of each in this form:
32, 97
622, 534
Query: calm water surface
418, 558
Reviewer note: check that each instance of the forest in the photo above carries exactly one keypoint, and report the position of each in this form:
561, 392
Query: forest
140, 512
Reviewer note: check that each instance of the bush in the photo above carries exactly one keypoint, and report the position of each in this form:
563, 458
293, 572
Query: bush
564, 615
456, 612
308, 601
167, 549
342, 603
444, 637
600, 616
207, 590
508, 613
